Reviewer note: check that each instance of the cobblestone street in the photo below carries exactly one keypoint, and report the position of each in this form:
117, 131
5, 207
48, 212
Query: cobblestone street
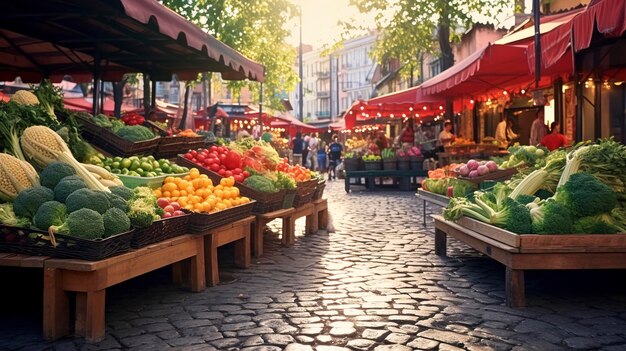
374, 284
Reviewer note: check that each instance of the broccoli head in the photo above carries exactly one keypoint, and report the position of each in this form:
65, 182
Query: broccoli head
28, 201
543, 194
84, 223
584, 195
118, 202
512, 216
599, 224
525, 199
115, 222
54, 172
49, 214
551, 218
67, 186
87, 198
122, 191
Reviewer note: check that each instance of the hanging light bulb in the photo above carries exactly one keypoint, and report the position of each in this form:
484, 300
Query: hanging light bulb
505, 93
391, 115
425, 108
472, 101
523, 91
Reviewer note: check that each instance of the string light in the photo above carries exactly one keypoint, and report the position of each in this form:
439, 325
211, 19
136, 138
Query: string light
425, 108
523, 91
441, 107
472, 101
505, 93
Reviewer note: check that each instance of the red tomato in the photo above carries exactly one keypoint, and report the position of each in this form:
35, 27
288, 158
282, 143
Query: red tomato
194, 153
189, 156
238, 178
237, 171
201, 157
221, 157
221, 149
214, 167
213, 155
210, 161
228, 174
245, 174
222, 172
213, 148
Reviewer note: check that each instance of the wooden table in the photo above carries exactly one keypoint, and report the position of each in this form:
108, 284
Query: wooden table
430, 197
320, 215
24, 261
405, 178
89, 280
307, 211
261, 220
237, 232
532, 252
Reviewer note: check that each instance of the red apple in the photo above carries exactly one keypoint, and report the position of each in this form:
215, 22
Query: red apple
166, 215
162, 202
176, 205
178, 213
168, 209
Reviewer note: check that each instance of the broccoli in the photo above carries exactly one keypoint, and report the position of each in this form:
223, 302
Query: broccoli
115, 222
102, 121
525, 199
122, 191
543, 194
49, 214
135, 133
84, 223
260, 183
54, 172
117, 202
584, 195
599, 224
512, 216
87, 198
551, 218
67, 186
28, 201
8, 217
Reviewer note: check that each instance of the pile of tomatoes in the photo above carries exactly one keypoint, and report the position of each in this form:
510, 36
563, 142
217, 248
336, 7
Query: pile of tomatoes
221, 160
297, 172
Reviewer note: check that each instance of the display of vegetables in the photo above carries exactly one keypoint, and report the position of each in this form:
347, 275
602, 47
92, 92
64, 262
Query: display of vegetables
525, 156
220, 159
15, 176
475, 168
146, 166
297, 172
370, 157
133, 119
388, 154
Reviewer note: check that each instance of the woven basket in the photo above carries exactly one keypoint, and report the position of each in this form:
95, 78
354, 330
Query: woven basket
319, 190
373, 165
202, 223
350, 164
160, 230
37, 242
404, 163
417, 163
390, 164
170, 147
290, 195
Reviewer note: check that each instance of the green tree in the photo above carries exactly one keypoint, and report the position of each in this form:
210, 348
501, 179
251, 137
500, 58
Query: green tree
254, 28
409, 28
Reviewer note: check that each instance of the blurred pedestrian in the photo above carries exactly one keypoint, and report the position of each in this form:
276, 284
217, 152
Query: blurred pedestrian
538, 129
297, 145
312, 155
334, 156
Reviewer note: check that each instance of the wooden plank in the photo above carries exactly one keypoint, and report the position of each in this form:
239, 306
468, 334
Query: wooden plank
433, 198
566, 260
229, 235
11, 259
242, 251
495, 233
210, 256
56, 305
573, 243
276, 214
383, 173
446, 226
90, 315
34, 261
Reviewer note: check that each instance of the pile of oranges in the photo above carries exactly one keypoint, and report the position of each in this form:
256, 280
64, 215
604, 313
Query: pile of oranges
196, 192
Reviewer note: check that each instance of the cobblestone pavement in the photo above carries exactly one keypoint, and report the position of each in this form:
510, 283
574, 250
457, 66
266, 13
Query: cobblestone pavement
374, 284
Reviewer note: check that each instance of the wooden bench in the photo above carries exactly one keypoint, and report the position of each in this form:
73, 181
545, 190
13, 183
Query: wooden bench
320, 215
405, 178
24, 261
262, 220
532, 252
237, 232
307, 211
89, 280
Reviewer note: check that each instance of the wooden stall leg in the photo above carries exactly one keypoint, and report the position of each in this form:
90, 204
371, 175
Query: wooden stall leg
323, 219
289, 230
257, 237
242, 252
424, 212
314, 225
346, 184
56, 307
197, 275
440, 242
178, 273
515, 290
90, 315
210, 256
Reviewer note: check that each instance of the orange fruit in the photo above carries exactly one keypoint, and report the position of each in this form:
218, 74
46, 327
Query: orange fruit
175, 193
194, 173
166, 194
235, 191
169, 180
219, 193
157, 193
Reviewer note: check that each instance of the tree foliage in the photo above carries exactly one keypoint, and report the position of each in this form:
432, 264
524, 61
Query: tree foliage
254, 28
410, 27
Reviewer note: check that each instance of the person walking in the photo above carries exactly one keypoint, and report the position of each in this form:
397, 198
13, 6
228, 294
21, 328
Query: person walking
312, 155
321, 156
297, 145
555, 139
504, 133
537, 129
305, 151
334, 156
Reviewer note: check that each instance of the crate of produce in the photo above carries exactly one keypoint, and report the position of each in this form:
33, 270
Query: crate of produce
390, 165
151, 182
160, 230
171, 146
193, 143
38, 242
303, 198
417, 163
290, 195
319, 190
118, 146
265, 202
202, 223
497, 175
372, 165
404, 163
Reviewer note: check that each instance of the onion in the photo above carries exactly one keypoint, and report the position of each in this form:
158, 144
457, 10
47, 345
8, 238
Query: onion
492, 166
472, 165
482, 170
464, 171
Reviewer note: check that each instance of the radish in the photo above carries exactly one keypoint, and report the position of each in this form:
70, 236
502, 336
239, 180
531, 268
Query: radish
492, 166
473, 174
472, 165
482, 170
464, 171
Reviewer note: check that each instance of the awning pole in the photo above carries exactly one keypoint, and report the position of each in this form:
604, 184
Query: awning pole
183, 122
204, 103
96, 83
261, 111
536, 19
153, 97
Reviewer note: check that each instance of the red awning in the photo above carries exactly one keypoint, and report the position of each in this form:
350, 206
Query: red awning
414, 96
608, 17
494, 67
294, 124
51, 38
85, 104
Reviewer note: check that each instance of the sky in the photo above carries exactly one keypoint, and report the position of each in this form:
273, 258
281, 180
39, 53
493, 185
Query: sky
320, 17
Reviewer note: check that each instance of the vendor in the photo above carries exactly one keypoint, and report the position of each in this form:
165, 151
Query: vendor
407, 135
504, 133
381, 140
446, 137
